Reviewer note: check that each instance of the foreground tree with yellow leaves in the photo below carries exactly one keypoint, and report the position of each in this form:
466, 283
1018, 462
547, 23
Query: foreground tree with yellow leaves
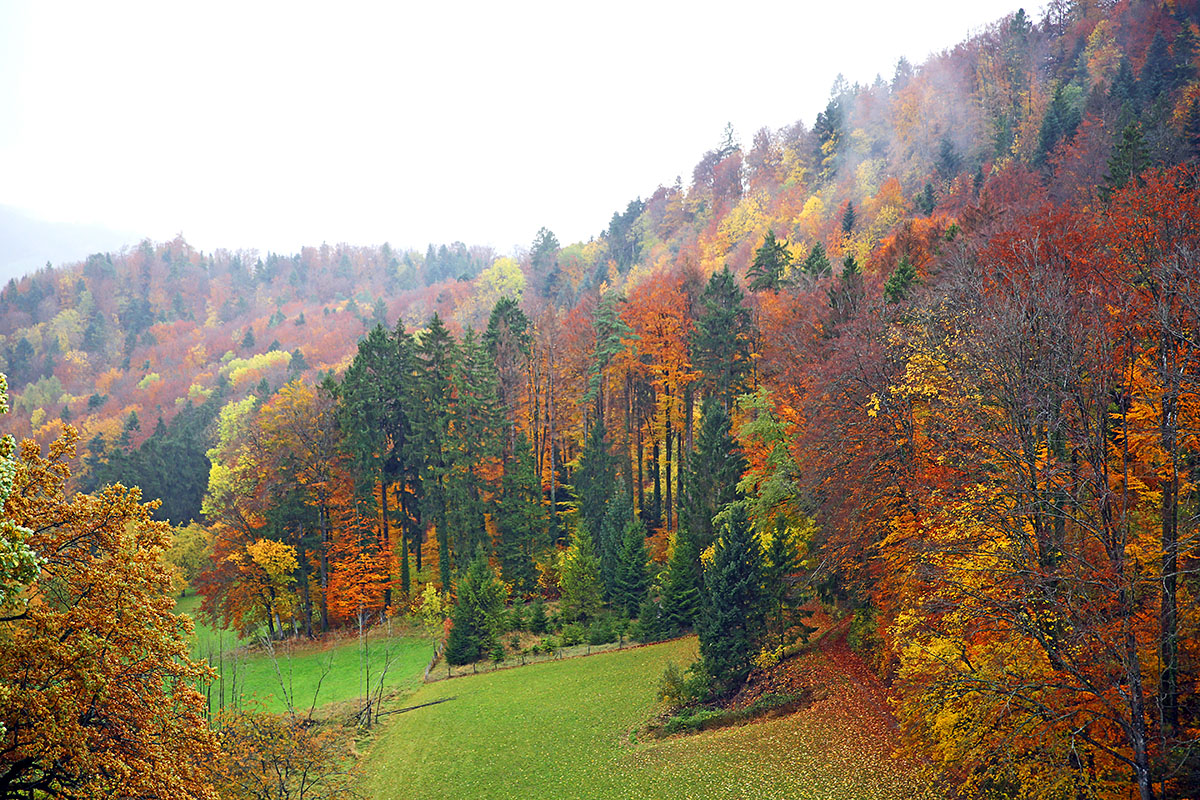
97, 694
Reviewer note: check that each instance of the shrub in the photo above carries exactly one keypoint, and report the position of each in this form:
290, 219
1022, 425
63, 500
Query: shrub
572, 634
601, 632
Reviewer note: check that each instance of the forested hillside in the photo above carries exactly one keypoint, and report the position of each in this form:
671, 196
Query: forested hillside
931, 361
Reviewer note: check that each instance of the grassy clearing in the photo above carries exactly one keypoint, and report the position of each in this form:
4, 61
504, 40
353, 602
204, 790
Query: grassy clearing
566, 729
337, 667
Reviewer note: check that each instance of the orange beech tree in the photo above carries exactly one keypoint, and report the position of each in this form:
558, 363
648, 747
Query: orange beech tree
97, 696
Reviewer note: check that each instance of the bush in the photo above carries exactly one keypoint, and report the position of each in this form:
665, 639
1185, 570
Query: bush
572, 634
692, 720
683, 688
601, 632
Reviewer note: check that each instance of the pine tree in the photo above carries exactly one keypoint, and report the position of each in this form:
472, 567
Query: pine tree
436, 355
898, 285
681, 591
612, 334
633, 580
849, 218
595, 479
1158, 72
1130, 156
817, 262
721, 341
520, 519
712, 475
478, 613
731, 626
611, 537
580, 578
537, 615
771, 262
476, 423
781, 559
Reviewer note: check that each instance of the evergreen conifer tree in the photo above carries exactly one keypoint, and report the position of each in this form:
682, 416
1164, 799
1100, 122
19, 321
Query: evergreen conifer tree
898, 285
770, 265
712, 475
720, 343
781, 558
478, 613
580, 578
849, 218
817, 262
681, 591
436, 355
1130, 156
595, 481
520, 519
617, 517
537, 615
633, 580
731, 625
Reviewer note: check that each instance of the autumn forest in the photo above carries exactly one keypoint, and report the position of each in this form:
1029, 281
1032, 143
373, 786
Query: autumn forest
920, 380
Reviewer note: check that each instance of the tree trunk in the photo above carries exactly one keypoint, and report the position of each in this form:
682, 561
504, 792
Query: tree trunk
385, 535
323, 566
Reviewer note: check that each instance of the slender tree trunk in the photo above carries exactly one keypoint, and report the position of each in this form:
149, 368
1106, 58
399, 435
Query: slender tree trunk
656, 468
553, 466
641, 474
305, 594
385, 534
689, 408
626, 460
668, 506
1169, 612
323, 566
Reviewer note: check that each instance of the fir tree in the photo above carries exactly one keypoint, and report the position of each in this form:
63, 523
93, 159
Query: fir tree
731, 627
537, 615
849, 218
595, 480
817, 262
681, 595
712, 475
633, 581
771, 262
1130, 156
580, 578
520, 519
436, 355
898, 285
781, 559
617, 517
720, 344
478, 613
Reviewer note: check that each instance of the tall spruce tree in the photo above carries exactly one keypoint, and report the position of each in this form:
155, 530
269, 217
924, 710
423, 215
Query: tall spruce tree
477, 423
731, 625
681, 591
633, 578
374, 414
436, 355
781, 560
478, 615
611, 537
580, 578
770, 265
595, 479
721, 341
520, 519
712, 475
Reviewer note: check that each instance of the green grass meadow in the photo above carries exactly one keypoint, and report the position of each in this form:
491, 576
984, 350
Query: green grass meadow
252, 676
567, 729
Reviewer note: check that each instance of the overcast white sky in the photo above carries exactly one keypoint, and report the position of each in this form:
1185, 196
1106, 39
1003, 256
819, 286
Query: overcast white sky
271, 126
